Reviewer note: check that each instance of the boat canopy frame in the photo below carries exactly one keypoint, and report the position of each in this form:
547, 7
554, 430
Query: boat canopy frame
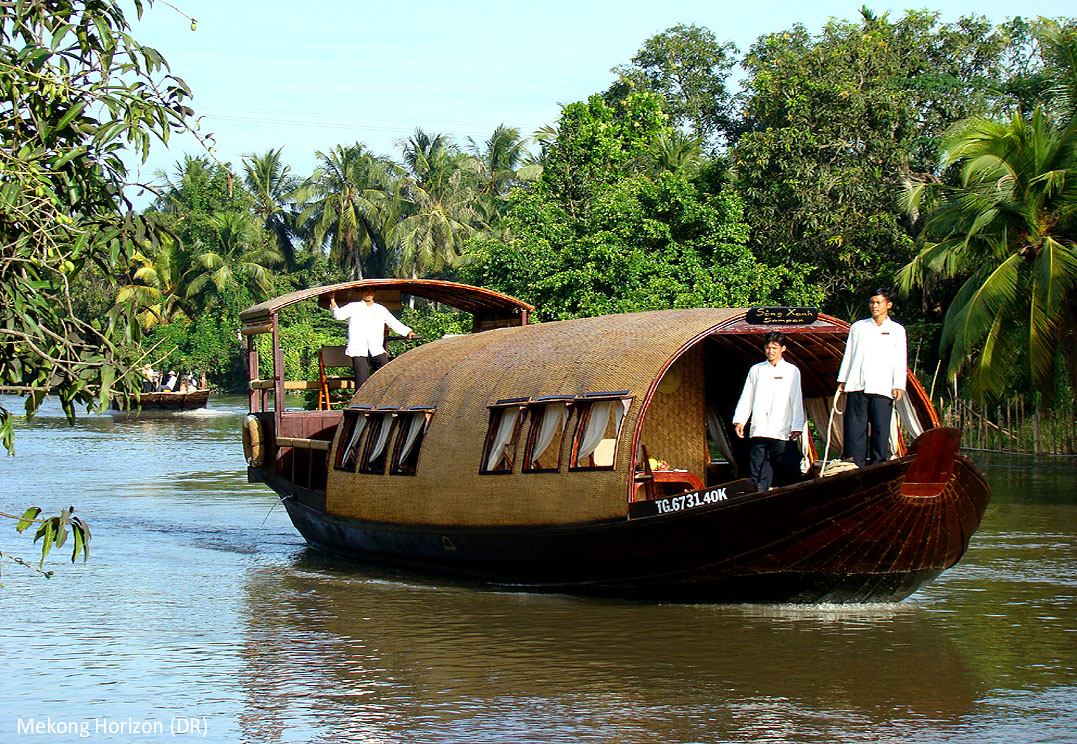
488, 309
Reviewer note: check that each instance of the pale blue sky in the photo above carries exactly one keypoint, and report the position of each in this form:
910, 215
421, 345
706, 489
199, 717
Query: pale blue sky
308, 76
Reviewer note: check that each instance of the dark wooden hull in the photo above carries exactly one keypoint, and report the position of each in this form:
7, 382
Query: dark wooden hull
166, 401
855, 537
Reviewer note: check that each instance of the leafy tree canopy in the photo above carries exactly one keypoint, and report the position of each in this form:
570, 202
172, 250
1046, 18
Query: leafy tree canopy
835, 124
688, 68
605, 232
75, 90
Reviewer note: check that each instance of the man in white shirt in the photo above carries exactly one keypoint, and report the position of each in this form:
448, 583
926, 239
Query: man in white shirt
366, 333
872, 376
772, 400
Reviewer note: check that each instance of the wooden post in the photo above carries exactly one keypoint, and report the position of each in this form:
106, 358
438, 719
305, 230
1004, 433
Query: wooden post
1036, 431
278, 378
252, 373
1009, 431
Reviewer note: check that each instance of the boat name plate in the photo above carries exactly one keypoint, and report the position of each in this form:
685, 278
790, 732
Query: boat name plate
691, 500
782, 315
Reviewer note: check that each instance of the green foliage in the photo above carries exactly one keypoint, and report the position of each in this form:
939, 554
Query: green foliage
206, 345
595, 140
53, 532
836, 123
688, 68
593, 239
76, 89
430, 323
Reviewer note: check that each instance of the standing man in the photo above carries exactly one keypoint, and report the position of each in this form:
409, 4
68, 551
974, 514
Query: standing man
772, 400
366, 333
872, 376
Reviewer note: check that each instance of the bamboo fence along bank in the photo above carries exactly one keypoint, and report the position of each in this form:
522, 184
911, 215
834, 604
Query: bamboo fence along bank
1014, 426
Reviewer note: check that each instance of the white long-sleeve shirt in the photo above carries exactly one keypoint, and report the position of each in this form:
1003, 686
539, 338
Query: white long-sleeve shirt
875, 358
366, 327
772, 400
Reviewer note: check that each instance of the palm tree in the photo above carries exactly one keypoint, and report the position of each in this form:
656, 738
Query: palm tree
430, 159
272, 185
673, 151
440, 205
1009, 226
156, 291
432, 235
500, 164
348, 201
240, 254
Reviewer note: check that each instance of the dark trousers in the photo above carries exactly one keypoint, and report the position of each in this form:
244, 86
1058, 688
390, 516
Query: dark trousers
773, 460
365, 366
867, 418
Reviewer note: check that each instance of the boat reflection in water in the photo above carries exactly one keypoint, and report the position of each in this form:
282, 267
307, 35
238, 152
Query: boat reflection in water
519, 456
337, 656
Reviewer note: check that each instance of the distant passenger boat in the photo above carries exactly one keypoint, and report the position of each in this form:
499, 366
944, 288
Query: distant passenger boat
164, 401
521, 456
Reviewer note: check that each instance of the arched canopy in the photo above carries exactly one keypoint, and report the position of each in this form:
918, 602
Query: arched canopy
490, 309
612, 352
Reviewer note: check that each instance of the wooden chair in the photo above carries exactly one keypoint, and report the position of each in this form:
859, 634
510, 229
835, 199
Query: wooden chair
330, 357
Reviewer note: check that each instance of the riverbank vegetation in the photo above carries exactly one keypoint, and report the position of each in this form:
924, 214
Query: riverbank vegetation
878, 151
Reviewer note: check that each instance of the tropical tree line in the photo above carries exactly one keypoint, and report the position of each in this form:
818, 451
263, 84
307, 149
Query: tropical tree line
875, 152
865, 153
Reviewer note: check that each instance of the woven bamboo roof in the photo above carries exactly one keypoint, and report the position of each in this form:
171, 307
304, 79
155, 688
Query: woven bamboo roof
572, 357
462, 296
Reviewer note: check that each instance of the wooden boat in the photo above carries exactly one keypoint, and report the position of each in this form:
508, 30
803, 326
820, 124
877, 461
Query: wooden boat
164, 401
518, 456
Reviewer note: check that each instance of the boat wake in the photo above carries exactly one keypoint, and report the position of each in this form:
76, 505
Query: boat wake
832, 611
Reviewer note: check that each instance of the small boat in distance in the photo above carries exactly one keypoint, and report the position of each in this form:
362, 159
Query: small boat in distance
523, 456
164, 401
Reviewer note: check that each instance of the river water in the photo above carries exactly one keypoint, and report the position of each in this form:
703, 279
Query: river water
201, 614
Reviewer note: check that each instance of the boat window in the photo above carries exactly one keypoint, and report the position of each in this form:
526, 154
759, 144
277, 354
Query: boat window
548, 422
351, 440
500, 451
412, 425
380, 425
598, 426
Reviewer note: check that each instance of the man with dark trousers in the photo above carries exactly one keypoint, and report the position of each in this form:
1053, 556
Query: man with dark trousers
366, 333
772, 400
872, 376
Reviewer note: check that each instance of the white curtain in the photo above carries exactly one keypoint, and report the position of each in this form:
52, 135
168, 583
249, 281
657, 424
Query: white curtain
418, 421
716, 428
909, 417
619, 416
504, 433
819, 412
383, 437
596, 429
351, 450
554, 416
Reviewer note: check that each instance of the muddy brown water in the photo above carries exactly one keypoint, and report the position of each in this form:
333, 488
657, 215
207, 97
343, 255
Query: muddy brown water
201, 611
